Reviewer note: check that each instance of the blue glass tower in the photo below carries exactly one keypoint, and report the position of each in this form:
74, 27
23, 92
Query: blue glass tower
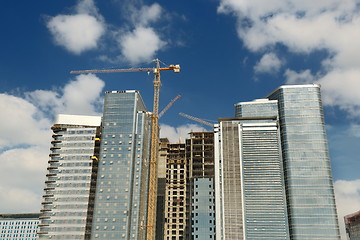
308, 178
121, 193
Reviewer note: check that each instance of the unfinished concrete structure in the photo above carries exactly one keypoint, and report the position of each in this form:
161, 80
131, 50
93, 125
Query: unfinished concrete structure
200, 194
175, 195
160, 208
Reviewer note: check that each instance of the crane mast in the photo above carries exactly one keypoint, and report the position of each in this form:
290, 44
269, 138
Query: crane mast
151, 219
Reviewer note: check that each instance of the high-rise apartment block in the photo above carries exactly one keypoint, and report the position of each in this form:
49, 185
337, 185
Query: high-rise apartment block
274, 144
175, 193
70, 185
352, 225
19, 226
122, 181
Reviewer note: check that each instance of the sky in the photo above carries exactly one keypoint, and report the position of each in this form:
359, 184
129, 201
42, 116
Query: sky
229, 51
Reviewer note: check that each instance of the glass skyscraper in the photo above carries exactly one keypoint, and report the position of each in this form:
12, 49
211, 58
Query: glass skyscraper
70, 180
250, 199
275, 150
122, 181
308, 178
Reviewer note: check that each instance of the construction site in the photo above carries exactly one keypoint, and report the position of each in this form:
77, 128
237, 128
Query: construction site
113, 177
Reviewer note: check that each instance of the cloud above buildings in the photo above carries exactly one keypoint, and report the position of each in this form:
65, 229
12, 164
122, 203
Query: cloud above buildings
180, 133
138, 40
85, 29
80, 31
269, 63
140, 45
79, 96
304, 27
25, 139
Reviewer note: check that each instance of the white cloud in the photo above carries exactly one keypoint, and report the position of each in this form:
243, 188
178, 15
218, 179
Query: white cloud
22, 176
341, 88
180, 133
347, 194
305, 27
80, 96
146, 15
140, 45
354, 130
303, 77
78, 32
19, 200
141, 42
25, 137
269, 63
21, 123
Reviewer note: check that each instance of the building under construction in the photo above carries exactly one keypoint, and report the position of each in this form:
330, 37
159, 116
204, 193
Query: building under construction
352, 225
160, 208
189, 189
200, 194
175, 195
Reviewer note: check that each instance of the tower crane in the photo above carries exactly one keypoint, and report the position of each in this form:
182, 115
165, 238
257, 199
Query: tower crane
169, 105
197, 119
151, 220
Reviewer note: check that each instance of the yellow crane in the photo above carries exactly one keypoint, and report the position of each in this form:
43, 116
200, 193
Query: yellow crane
151, 220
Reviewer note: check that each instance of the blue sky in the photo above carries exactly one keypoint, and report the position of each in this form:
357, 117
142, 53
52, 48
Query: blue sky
229, 51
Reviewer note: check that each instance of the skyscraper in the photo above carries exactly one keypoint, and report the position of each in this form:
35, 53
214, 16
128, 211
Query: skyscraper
70, 185
121, 195
250, 199
308, 178
273, 144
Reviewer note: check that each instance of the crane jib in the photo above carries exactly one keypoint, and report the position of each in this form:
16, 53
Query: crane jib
176, 68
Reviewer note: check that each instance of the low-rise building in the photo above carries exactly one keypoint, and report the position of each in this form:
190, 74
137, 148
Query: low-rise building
19, 226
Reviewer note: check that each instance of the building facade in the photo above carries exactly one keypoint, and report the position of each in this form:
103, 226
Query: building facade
308, 177
175, 193
352, 225
200, 194
121, 195
70, 181
275, 143
161, 189
250, 198
20, 226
